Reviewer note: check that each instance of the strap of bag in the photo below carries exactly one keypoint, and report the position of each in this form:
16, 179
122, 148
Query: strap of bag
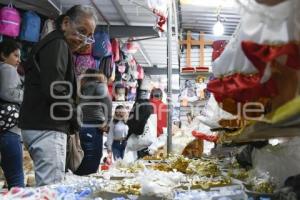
10, 5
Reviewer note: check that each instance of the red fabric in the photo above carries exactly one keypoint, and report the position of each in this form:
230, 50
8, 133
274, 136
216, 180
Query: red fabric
161, 20
241, 88
140, 71
104, 167
218, 48
260, 54
110, 90
115, 46
160, 109
188, 69
203, 136
132, 47
202, 69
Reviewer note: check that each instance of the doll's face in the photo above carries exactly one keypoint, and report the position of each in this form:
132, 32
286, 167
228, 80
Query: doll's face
188, 84
120, 94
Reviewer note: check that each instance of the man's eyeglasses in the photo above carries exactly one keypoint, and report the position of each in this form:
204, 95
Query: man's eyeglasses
86, 39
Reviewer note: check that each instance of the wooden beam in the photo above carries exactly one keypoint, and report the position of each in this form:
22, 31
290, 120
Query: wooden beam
197, 42
188, 49
201, 43
202, 47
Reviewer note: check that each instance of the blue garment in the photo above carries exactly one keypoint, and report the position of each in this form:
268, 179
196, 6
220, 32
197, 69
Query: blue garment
118, 148
12, 159
92, 144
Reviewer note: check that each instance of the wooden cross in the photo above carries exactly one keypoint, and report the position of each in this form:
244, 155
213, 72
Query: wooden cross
189, 43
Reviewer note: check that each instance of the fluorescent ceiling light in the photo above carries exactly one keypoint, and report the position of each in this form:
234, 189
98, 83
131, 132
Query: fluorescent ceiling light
210, 3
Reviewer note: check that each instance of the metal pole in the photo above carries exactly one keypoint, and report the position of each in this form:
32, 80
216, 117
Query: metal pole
169, 88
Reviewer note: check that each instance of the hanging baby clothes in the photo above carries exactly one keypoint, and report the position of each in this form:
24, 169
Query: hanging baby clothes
273, 44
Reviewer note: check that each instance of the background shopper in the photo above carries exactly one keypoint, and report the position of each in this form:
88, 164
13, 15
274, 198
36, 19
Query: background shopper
11, 91
118, 130
95, 118
44, 123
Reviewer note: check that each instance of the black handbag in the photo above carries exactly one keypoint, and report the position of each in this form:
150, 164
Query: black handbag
9, 115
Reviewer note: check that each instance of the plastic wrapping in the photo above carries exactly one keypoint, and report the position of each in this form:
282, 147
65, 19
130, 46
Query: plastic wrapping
159, 183
158, 143
78, 187
43, 193
224, 193
130, 156
212, 113
138, 142
130, 47
160, 6
280, 161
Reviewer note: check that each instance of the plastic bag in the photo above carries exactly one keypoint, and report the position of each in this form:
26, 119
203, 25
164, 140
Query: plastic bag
280, 161
130, 47
130, 156
179, 143
139, 142
159, 184
158, 143
159, 6
212, 113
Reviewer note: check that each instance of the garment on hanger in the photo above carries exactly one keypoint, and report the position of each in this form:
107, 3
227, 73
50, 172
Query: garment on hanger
272, 34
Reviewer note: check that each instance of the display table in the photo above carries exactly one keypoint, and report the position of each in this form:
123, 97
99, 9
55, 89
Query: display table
173, 178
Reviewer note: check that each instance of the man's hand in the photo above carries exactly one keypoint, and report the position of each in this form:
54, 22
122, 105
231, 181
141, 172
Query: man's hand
104, 128
109, 154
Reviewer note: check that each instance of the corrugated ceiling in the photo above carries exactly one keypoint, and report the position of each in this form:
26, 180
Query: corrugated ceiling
194, 15
197, 16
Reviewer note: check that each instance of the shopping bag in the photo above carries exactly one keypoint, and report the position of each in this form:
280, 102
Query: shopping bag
75, 153
130, 156
139, 142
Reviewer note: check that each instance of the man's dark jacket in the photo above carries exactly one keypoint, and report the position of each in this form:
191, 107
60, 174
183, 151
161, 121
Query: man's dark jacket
50, 61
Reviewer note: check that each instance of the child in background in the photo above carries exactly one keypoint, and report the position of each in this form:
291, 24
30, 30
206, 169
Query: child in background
95, 118
116, 139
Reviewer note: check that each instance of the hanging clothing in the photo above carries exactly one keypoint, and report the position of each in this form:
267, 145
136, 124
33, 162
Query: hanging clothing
161, 110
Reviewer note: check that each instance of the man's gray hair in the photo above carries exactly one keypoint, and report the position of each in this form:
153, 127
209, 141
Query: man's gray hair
80, 11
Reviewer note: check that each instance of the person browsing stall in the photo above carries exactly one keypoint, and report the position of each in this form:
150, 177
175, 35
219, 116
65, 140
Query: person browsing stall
160, 109
46, 115
95, 116
116, 139
11, 92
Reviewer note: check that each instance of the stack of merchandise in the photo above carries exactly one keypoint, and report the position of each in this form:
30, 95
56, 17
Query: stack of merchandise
257, 81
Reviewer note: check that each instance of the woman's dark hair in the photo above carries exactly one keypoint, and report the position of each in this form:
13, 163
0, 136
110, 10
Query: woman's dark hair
97, 76
119, 107
156, 93
75, 13
116, 120
7, 47
138, 117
